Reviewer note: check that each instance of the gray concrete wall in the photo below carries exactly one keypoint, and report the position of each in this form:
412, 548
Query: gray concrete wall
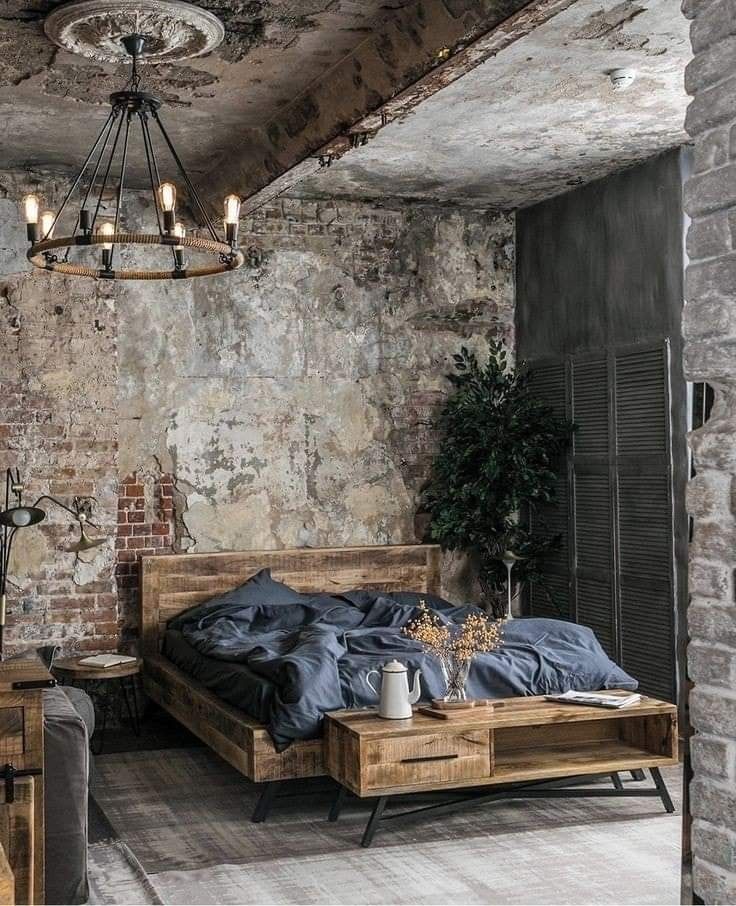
287, 404
710, 355
602, 265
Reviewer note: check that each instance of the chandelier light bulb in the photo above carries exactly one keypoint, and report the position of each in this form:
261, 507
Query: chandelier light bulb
167, 196
47, 225
180, 233
232, 209
30, 207
107, 229
232, 218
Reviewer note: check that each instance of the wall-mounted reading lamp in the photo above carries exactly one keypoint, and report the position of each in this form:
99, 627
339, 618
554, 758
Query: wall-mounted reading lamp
18, 516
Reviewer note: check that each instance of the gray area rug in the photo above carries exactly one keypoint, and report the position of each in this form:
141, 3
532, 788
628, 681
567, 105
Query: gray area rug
116, 876
183, 818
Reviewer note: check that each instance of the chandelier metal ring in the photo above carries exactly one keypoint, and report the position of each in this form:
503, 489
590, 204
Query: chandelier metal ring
228, 258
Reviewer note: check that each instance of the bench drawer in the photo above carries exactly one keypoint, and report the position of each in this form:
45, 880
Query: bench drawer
427, 759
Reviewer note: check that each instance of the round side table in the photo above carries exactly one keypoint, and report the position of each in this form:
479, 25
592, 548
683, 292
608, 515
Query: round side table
94, 679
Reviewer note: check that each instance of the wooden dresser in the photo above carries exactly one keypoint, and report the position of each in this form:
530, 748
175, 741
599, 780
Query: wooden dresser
21, 754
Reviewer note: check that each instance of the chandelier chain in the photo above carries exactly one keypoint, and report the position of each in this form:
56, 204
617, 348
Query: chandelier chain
121, 184
153, 174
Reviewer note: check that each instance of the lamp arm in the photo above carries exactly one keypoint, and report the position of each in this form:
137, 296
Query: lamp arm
67, 508
5, 562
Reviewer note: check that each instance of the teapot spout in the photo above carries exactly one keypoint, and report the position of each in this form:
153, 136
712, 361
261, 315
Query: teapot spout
417, 690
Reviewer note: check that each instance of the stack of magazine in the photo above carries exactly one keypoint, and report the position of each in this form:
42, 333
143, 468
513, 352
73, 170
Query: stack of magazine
596, 699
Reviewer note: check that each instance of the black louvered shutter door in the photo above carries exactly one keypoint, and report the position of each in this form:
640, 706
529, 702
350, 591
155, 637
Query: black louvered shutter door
645, 542
552, 599
616, 569
594, 564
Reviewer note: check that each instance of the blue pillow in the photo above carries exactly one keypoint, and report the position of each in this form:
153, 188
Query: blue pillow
261, 588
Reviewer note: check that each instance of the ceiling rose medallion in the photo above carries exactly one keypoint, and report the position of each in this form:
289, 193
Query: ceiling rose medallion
173, 30
154, 31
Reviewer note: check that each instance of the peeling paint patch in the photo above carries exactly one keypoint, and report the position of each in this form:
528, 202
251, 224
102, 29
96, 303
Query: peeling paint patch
94, 565
24, 51
604, 21
250, 24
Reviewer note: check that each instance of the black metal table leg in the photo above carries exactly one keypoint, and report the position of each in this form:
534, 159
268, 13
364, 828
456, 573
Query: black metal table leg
263, 806
96, 748
662, 788
375, 817
337, 803
132, 711
542, 789
637, 774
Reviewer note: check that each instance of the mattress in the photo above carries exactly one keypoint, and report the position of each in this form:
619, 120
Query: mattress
234, 683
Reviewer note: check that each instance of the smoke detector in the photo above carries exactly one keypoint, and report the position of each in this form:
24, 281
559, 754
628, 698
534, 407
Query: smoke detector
621, 79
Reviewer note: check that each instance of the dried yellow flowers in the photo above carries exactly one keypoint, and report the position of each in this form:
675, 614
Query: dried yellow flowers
462, 642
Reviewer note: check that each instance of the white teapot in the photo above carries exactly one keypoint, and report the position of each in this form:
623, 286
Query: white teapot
395, 700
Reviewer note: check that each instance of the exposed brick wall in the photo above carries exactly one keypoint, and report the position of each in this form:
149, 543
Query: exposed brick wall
145, 528
710, 355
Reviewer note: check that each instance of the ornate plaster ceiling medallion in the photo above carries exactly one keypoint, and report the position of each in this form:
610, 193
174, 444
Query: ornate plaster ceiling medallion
173, 30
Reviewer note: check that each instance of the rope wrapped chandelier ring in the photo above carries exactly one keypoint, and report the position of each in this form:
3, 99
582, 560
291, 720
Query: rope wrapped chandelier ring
229, 258
103, 175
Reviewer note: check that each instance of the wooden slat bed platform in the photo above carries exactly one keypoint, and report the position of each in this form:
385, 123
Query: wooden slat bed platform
171, 584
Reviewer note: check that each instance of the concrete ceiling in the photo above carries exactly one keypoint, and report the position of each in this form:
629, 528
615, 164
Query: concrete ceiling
535, 120
52, 103
527, 109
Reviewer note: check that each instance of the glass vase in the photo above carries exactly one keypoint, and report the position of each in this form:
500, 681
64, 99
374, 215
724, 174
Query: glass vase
455, 673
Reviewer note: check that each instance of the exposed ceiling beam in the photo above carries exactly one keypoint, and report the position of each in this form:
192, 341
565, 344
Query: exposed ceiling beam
419, 50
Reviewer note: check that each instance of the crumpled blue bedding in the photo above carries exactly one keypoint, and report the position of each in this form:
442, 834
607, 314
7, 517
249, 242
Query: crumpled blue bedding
317, 648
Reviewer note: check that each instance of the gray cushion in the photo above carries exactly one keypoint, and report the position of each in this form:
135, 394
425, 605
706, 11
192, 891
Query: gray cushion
82, 704
68, 715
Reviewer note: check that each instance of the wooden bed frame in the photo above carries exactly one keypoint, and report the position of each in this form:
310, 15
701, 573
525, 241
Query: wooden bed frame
173, 583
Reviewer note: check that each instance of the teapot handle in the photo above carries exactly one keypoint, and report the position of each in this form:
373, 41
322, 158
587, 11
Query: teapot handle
370, 684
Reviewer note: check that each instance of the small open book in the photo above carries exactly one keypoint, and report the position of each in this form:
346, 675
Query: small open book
105, 660
596, 699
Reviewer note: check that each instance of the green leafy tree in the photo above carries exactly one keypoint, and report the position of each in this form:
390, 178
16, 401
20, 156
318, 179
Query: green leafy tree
495, 466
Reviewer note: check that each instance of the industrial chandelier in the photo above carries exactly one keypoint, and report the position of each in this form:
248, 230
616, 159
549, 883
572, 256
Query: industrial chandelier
133, 110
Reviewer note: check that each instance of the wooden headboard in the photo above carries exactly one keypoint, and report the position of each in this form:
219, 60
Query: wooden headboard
173, 583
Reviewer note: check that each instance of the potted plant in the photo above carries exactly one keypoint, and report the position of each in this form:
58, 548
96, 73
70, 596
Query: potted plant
496, 464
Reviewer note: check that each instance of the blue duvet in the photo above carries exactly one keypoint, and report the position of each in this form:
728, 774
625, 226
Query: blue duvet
316, 650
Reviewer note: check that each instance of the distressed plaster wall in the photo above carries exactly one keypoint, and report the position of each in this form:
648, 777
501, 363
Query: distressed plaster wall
710, 355
288, 404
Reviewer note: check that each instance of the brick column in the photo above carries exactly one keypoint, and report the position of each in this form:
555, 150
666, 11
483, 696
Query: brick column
710, 355
145, 528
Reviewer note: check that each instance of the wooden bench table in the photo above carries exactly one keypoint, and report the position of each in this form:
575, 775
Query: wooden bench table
523, 748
